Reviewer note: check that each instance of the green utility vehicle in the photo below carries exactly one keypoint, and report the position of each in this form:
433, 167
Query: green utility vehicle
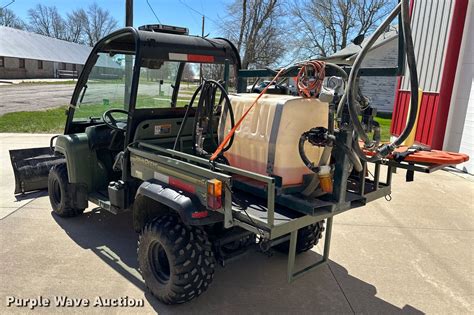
133, 141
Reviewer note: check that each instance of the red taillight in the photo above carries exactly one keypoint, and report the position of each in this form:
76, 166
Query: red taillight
199, 214
214, 194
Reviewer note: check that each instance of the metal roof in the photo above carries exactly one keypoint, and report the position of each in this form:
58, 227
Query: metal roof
349, 53
21, 44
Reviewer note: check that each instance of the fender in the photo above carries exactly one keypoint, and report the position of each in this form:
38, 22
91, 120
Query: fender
183, 203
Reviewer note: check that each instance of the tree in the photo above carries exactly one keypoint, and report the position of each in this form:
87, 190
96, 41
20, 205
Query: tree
9, 19
188, 72
323, 27
79, 26
74, 26
98, 23
47, 21
261, 30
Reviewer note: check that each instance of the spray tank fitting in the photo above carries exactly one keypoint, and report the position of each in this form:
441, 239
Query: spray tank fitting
325, 178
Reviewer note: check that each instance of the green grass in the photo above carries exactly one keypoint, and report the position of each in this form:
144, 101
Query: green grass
47, 121
384, 128
53, 120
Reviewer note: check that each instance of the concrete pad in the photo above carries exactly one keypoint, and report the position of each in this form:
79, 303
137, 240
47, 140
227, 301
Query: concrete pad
12, 141
411, 255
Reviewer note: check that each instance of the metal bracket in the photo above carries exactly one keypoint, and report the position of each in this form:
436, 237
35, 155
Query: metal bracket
292, 274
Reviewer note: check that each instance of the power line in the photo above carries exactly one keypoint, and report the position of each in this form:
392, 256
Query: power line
7, 5
151, 8
198, 12
207, 17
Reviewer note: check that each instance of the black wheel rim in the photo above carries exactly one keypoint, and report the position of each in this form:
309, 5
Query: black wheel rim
56, 192
159, 262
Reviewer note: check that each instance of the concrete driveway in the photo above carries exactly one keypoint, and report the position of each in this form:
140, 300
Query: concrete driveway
411, 255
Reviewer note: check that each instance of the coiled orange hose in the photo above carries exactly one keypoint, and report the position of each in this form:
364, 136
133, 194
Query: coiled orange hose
308, 81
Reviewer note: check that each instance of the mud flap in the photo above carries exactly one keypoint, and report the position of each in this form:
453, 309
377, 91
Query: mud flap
31, 168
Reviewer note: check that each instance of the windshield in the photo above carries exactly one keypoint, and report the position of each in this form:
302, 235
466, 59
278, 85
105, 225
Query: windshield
105, 87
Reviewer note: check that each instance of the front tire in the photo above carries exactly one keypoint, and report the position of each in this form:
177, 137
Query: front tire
176, 261
59, 192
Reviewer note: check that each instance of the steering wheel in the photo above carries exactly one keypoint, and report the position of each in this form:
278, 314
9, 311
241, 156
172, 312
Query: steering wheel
110, 121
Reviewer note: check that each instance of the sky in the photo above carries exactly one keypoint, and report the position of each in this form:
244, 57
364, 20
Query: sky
173, 12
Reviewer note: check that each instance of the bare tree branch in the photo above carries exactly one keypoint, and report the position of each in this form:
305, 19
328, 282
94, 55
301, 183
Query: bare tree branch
9, 19
47, 21
259, 40
80, 26
98, 23
325, 27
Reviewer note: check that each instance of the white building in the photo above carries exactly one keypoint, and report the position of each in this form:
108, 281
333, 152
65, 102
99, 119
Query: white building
384, 53
29, 55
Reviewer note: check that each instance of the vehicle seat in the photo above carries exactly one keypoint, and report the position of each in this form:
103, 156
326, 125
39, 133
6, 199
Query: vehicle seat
99, 136
106, 143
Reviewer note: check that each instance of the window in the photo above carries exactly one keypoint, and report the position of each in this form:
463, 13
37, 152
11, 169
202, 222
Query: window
157, 79
40, 64
2, 62
105, 87
74, 68
63, 66
22, 63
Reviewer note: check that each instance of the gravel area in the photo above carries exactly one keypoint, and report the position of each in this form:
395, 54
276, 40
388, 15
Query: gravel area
31, 97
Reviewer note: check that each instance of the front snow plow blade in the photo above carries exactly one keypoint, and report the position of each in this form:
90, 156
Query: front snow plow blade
31, 168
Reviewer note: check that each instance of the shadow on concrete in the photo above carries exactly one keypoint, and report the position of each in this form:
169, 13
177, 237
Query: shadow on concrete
254, 283
31, 195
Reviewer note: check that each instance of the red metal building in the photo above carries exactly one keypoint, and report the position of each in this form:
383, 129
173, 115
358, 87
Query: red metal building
438, 27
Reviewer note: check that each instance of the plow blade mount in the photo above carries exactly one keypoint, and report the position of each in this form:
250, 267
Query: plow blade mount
31, 168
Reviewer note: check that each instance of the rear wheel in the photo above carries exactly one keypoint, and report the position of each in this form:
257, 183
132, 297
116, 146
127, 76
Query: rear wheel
308, 237
59, 192
176, 261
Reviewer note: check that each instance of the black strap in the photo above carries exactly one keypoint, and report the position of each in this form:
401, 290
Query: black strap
401, 156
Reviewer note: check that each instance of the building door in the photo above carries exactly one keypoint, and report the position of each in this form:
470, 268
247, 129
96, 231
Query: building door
55, 69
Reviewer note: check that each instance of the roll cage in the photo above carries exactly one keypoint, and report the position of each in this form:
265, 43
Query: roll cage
154, 45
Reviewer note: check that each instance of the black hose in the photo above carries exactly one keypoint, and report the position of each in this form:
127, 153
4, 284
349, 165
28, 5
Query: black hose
351, 90
339, 70
409, 48
304, 157
351, 86
185, 118
205, 109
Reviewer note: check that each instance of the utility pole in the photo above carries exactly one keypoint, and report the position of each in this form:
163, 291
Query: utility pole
128, 58
202, 35
128, 12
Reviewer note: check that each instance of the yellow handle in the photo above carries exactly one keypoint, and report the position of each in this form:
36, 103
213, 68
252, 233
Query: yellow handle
410, 140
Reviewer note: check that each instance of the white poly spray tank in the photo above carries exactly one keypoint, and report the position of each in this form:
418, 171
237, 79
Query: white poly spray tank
267, 140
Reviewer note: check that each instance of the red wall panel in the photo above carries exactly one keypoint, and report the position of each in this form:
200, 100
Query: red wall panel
426, 118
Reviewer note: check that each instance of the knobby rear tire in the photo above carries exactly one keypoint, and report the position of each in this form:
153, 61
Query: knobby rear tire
176, 261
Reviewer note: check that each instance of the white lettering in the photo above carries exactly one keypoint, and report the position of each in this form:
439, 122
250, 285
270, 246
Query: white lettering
64, 301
